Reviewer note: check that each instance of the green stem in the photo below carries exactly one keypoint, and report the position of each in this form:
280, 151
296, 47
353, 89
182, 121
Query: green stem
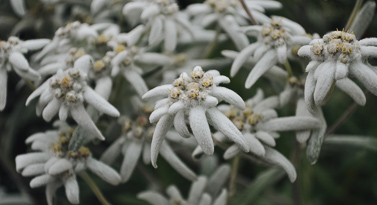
30, 84
244, 6
288, 68
353, 14
94, 188
233, 176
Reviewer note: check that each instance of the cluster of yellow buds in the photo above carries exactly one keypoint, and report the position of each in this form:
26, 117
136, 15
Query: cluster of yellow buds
274, 34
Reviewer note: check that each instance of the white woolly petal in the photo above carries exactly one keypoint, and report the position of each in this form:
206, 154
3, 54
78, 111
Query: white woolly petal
174, 193
228, 96
266, 62
72, 190
82, 118
301, 110
131, 157
150, 11
48, 48
50, 191
132, 6
153, 198
63, 112
197, 153
352, 89
119, 58
35, 44
162, 127
3, 88
154, 59
309, 91
259, 96
218, 120
175, 107
195, 9
282, 53
196, 190
200, 129
209, 19
341, 70
136, 81
221, 79
222, 198
206, 199
176, 163
185, 24
33, 169
266, 138
274, 157
262, 49
290, 123
180, 124
51, 68
255, 146
84, 63
325, 78
113, 151
305, 51
242, 57
300, 40
96, 6
19, 61
103, 87
156, 31
51, 109
170, 41
368, 51
102, 170
99, 103
218, 179
294, 27
161, 91
312, 65
161, 103
365, 75
286, 95
231, 27
49, 163
268, 103
368, 42
158, 113
209, 102
59, 166
18, 7
40, 181
231, 152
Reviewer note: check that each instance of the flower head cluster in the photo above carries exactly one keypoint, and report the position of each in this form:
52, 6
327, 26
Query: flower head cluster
136, 140
11, 57
334, 58
260, 124
163, 19
57, 165
203, 191
194, 98
65, 93
275, 40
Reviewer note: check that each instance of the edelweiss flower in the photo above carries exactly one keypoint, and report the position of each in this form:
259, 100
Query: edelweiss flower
70, 34
203, 191
163, 19
194, 98
11, 57
65, 93
259, 124
274, 43
56, 165
333, 58
229, 14
136, 140
126, 60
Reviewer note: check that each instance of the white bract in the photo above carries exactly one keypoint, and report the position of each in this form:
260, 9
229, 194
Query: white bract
163, 18
136, 141
275, 41
56, 165
193, 99
65, 93
229, 14
203, 191
12, 57
334, 58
